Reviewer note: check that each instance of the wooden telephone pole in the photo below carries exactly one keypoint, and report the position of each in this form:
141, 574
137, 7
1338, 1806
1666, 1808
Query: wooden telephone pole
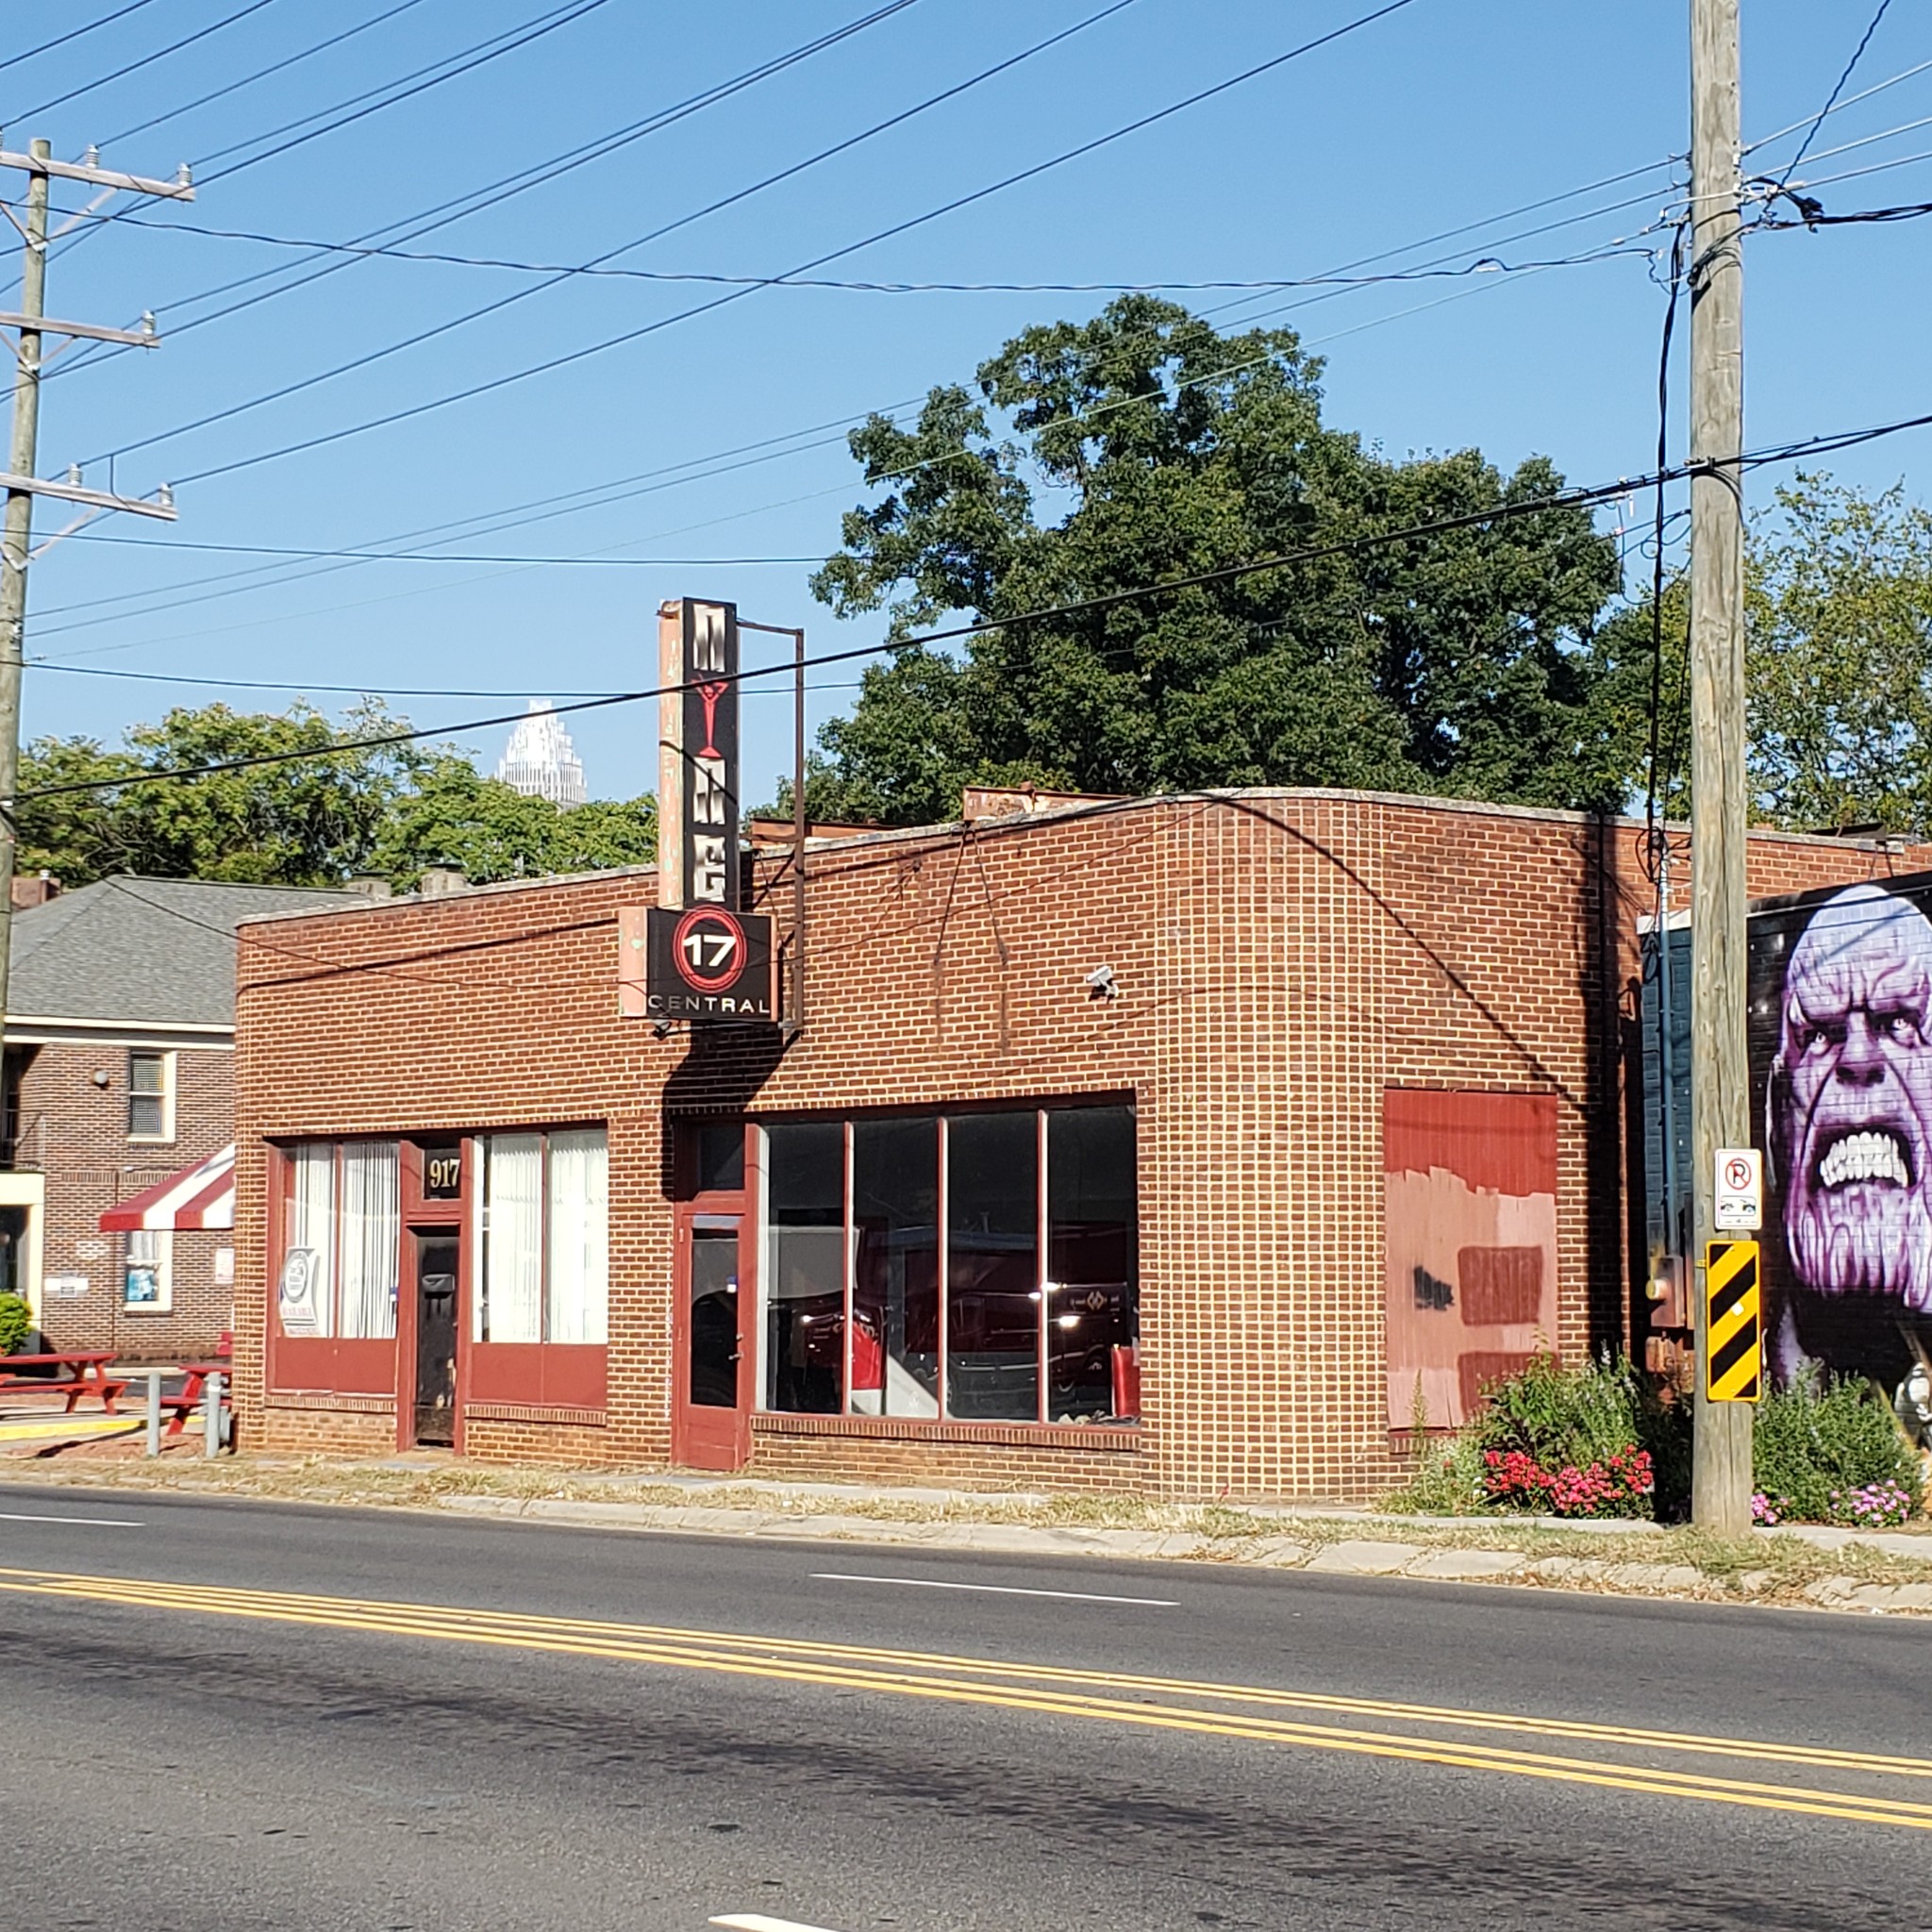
30, 326
1719, 1084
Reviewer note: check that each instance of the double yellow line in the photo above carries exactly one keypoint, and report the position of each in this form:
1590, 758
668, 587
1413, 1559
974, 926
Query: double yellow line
1171, 1704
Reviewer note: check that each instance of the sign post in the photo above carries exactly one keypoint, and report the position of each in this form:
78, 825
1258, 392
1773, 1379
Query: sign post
1733, 1323
702, 958
1739, 1195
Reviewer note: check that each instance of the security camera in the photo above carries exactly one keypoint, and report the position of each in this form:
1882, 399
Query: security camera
1100, 985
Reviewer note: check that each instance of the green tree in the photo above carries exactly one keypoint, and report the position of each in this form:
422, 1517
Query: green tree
309, 820
1837, 618
346, 806
451, 816
1094, 458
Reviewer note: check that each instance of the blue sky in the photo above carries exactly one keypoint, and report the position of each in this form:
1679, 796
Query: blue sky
1443, 114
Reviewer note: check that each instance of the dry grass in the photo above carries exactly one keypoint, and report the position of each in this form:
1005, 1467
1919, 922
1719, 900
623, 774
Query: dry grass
1764, 1569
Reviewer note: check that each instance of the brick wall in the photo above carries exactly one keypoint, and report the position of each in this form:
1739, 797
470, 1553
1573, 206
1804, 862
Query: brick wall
1281, 957
74, 1131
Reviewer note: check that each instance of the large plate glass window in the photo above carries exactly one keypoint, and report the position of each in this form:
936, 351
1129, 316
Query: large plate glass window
1016, 1301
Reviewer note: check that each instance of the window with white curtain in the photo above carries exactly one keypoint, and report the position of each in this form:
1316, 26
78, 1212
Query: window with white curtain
576, 1208
346, 1209
313, 1224
370, 1237
540, 1233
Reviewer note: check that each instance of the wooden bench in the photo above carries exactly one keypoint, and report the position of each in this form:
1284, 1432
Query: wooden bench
74, 1373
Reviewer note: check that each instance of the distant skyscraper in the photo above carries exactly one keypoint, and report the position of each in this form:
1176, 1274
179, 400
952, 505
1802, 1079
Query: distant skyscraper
539, 760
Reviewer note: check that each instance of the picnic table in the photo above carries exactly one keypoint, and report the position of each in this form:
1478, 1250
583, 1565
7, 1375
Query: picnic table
192, 1392
76, 1372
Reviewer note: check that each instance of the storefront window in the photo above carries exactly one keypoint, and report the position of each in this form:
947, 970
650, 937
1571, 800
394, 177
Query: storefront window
805, 1297
895, 1291
1092, 1314
1007, 1307
344, 1221
541, 1232
992, 1267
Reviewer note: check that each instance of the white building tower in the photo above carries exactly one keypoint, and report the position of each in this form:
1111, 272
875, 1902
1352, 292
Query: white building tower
539, 760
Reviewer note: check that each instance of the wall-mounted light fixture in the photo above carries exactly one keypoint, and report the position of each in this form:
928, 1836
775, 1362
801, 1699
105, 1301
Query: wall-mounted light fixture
101, 1076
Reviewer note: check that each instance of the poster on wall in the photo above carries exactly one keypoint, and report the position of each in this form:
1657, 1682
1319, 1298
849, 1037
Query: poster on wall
1470, 1220
295, 1293
1841, 1038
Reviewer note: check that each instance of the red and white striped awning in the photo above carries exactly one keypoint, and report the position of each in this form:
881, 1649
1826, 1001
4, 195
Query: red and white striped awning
199, 1196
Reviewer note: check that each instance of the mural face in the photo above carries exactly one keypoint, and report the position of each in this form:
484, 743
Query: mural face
1842, 1051
1851, 1094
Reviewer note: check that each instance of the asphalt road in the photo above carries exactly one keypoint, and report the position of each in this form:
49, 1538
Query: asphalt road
223, 1715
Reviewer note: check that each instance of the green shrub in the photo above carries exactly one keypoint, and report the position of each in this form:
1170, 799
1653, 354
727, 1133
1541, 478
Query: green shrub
1563, 1417
16, 1323
1549, 1439
1816, 1447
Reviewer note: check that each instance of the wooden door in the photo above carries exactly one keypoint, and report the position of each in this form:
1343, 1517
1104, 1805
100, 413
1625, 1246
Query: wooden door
710, 1420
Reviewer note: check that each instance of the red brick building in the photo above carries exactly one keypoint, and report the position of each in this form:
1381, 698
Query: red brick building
1198, 1146
119, 1073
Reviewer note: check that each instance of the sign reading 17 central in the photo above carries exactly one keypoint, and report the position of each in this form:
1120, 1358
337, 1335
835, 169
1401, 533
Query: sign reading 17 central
706, 960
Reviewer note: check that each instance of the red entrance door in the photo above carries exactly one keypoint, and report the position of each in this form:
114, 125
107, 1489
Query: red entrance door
711, 1422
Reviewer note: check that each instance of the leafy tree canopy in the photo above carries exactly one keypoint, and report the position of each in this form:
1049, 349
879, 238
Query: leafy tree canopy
1145, 445
350, 807
1838, 619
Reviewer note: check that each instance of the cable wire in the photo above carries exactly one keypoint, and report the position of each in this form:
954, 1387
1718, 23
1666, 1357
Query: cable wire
261, 74
506, 187
628, 336
1811, 133
1576, 498
72, 34
146, 60
555, 276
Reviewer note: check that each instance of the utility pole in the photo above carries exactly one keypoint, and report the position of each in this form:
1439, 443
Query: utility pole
1720, 1086
29, 326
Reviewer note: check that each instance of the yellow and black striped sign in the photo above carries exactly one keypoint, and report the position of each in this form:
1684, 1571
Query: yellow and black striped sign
1733, 1323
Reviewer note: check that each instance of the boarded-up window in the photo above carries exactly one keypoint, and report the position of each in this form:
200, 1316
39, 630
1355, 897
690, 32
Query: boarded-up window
1470, 1194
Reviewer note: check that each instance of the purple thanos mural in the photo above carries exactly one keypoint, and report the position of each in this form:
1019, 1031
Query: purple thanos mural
1849, 1108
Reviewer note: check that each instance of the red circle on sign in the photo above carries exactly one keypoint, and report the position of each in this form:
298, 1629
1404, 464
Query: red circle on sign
1738, 1174
688, 968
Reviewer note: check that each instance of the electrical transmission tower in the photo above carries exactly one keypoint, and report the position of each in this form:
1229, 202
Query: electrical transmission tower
28, 328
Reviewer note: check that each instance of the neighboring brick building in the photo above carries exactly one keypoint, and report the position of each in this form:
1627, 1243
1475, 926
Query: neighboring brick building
119, 1073
1191, 1144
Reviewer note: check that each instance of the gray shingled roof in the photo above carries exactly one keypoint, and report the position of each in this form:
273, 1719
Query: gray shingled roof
159, 950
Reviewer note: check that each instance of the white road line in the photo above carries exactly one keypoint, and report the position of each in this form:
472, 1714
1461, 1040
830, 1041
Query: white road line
757, 1922
92, 1521
1072, 1596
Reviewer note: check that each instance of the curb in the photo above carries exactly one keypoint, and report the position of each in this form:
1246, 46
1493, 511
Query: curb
1349, 1557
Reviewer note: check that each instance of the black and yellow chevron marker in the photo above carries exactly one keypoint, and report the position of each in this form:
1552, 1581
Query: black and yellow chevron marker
1733, 1323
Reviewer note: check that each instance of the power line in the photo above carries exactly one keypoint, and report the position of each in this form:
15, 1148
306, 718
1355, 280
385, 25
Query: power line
1811, 133
597, 267
359, 690
574, 356
1850, 101
554, 276
474, 201
72, 34
450, 556
521, 37
1578, 499
146, 60
259, 73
